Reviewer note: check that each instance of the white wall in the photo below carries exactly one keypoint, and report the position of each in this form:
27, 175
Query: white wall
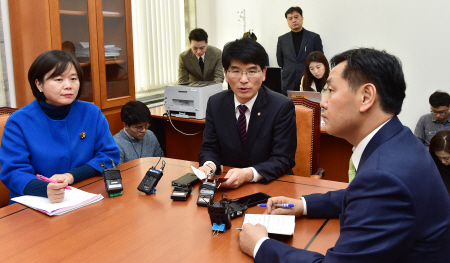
416, 31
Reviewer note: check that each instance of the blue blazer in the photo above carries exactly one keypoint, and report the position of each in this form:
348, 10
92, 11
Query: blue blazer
32, 143
291, 64
271, 136
395, 210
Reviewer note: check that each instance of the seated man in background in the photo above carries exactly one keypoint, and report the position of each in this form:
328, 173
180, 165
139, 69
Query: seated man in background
438, 120
135, 140
396, 209
202, 62
249, 126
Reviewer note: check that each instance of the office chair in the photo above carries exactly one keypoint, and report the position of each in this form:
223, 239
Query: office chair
4, 114
308, 138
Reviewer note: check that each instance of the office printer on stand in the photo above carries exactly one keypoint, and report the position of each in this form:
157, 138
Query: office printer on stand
188, 100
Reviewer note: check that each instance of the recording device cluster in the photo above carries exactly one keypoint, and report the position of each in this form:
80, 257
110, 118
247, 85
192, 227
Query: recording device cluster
220, 213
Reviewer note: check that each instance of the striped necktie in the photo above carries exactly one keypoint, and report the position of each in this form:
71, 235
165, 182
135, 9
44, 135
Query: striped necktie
242, 124
351, 171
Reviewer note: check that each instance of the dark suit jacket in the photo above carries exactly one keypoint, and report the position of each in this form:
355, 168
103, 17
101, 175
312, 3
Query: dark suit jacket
189, 69
293, 65
271, 136
395, 210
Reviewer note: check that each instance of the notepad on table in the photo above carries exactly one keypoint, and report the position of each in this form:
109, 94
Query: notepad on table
73, 199
275, 224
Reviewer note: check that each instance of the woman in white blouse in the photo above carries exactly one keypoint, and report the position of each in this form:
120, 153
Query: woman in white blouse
316, 72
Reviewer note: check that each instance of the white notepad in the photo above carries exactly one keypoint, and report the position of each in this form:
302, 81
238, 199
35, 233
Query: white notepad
73, 199
275, 224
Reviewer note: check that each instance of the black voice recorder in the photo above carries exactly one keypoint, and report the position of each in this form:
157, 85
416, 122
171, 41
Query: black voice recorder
151, 179
113, 179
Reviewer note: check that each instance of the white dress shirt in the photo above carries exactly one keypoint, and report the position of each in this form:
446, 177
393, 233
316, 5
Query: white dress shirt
249, 104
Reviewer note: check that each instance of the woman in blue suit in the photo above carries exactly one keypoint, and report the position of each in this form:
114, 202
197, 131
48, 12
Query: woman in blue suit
56, 135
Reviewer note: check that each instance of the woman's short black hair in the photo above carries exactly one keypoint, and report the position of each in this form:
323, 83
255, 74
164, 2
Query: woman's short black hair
56, 60
135, 112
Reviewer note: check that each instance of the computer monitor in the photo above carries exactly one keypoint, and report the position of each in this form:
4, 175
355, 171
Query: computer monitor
274, 79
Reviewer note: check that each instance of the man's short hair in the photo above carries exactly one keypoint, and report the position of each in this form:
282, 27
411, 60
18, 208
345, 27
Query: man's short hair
135, 112
383, 70
292, 10
439, 98
246, 50
198, 34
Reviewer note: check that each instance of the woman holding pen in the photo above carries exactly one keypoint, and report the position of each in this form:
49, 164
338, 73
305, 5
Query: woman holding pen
56, 135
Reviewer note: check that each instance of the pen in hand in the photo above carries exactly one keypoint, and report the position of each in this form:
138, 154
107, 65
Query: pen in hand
48, 180
278, 205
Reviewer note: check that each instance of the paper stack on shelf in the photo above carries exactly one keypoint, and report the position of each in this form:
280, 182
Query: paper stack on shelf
112, 52
73, 199
82, 52
83, 55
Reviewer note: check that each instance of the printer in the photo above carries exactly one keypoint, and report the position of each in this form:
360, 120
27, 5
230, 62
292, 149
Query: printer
188, 100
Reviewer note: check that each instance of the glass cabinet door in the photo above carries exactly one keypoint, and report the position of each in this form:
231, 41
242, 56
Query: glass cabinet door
75, 39
115, 49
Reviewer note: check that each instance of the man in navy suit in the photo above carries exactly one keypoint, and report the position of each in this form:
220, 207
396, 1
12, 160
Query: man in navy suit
294, 47
396, 209
260, 140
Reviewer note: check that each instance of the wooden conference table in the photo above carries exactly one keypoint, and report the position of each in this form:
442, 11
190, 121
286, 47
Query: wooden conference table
136, 227
334, 153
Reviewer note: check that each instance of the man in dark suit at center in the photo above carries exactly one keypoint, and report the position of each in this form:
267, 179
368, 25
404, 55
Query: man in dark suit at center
249, 126
396, 207
294, 47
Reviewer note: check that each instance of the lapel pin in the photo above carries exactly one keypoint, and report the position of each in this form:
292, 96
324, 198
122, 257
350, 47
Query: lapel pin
259, 113
83, 135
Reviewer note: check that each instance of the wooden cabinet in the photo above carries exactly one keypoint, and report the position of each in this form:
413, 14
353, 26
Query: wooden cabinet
98, 32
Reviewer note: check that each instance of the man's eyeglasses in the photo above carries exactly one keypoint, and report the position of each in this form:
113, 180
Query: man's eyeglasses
442, 113
140, 128
238, 73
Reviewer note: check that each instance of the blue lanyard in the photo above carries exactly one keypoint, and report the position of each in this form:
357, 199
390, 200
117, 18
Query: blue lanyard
435, 126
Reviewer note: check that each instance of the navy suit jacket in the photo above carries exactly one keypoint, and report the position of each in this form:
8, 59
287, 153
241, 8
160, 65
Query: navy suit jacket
271, 136
395, 210
291, 64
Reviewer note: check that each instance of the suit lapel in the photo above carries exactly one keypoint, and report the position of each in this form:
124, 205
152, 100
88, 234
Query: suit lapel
229, 117
257, 117
290, 43
390, 129
305, 40
208, 62
194, 62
